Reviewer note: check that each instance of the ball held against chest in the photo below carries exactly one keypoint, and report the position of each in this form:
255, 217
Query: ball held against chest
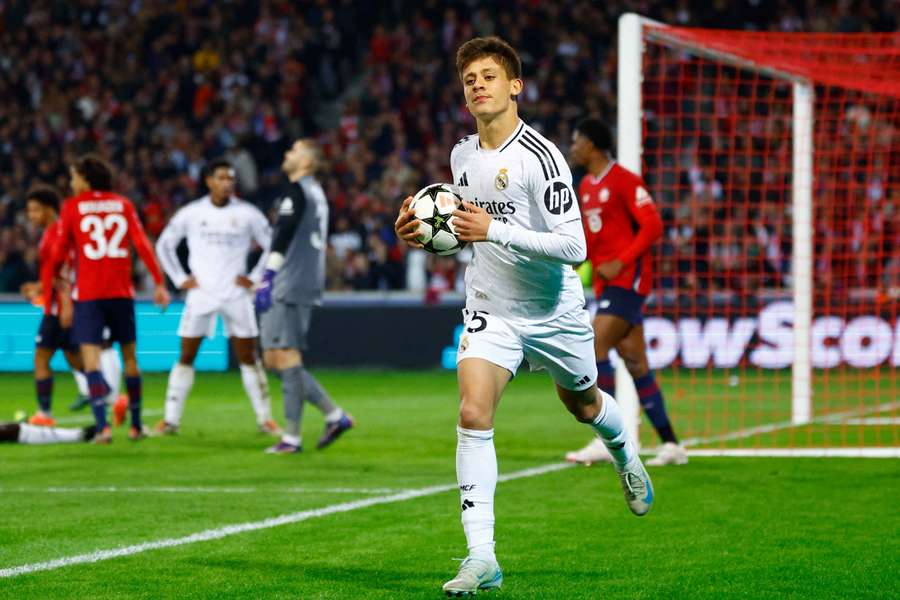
433, 206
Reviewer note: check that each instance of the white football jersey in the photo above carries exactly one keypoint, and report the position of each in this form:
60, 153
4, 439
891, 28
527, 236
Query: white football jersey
218, 240
524, 182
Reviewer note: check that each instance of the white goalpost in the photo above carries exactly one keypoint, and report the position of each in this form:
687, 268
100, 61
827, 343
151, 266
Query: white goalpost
632, 32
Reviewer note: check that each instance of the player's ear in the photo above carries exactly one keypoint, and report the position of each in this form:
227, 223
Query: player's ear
517, 85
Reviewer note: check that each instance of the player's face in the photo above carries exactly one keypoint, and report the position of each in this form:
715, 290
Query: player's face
221, 184
296, 158
487, 88
36, 213
581, 149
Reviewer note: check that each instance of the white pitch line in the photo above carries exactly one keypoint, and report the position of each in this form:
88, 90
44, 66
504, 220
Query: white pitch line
229, 530
112, 489
770, 427
865, 452
868, 421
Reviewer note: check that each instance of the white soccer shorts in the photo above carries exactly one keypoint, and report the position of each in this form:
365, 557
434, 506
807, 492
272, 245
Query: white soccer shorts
564, 346
201, 308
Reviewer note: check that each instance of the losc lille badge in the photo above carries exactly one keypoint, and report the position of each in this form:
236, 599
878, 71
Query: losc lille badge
501, 181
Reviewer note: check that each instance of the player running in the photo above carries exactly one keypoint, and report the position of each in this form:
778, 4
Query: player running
220, 229
292, 285
523, 299
620, 224
99, 224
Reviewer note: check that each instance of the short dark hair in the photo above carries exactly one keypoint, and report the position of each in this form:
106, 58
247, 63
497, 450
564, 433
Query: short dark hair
216, 163
96, 171
494, 47
44, 194
598, 132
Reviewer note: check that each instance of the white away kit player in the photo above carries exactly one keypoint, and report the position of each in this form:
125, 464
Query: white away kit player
523, 298
220, 230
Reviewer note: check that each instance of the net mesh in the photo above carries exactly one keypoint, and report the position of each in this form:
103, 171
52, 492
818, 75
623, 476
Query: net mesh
717, 155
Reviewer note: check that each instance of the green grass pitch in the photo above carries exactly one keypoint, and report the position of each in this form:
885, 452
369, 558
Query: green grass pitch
720, 528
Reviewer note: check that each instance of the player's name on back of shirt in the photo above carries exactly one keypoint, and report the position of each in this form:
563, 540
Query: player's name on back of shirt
100, 206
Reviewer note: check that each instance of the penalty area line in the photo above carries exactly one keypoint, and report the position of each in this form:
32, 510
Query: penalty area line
288, 519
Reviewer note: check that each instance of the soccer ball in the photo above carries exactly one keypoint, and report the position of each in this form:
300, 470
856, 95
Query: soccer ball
433, 206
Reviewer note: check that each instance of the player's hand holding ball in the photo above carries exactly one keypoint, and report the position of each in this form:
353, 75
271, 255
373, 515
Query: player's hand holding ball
263, 299
407, 226
471, 223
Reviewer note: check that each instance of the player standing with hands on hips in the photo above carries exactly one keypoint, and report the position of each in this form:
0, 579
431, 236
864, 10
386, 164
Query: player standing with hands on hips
620, 225
220, 230
292, 284
523, 299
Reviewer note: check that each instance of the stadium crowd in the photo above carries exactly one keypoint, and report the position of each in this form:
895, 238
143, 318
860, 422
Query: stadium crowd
160, 88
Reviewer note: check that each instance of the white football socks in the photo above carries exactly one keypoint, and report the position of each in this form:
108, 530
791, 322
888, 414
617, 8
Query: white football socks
31, 434
476, 473
257, 387
81, 383
111, 368
611, 429
181, 380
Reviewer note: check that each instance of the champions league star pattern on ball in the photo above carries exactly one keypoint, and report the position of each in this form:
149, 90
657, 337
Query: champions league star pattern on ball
433, 206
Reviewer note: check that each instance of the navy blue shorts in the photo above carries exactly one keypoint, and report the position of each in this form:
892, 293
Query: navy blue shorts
621, 302
92, 316
52, 336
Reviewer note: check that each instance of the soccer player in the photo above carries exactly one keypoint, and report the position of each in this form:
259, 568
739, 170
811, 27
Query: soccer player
292, 284
42, 208
25, 433
620, 224
98, 225
220, 230
523, 298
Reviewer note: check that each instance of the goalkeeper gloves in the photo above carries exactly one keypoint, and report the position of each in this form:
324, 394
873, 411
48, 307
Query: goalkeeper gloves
264, 291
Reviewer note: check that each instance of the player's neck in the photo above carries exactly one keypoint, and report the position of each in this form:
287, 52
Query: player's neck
492, 133
298, 175
599, 165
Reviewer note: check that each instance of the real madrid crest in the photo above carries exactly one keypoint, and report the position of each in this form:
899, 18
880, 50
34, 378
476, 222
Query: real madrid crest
501, 181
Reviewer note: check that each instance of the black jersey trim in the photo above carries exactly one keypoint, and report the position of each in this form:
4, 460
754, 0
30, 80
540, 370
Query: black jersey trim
538, 156
554, 168
513, 138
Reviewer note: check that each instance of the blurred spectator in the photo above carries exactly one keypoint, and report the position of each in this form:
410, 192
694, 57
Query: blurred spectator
161, 87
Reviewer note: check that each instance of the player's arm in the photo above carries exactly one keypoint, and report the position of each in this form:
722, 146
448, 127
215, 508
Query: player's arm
554, 198
261, 232
290, 212
650, 228
145, 251
565, 243
56, 256
167, 251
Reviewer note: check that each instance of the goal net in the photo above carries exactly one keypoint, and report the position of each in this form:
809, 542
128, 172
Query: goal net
775, 161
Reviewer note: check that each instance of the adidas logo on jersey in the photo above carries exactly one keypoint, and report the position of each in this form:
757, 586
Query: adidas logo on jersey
464, 180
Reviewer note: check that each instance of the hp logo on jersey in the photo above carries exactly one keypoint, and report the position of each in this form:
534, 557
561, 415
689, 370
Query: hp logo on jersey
558, 198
